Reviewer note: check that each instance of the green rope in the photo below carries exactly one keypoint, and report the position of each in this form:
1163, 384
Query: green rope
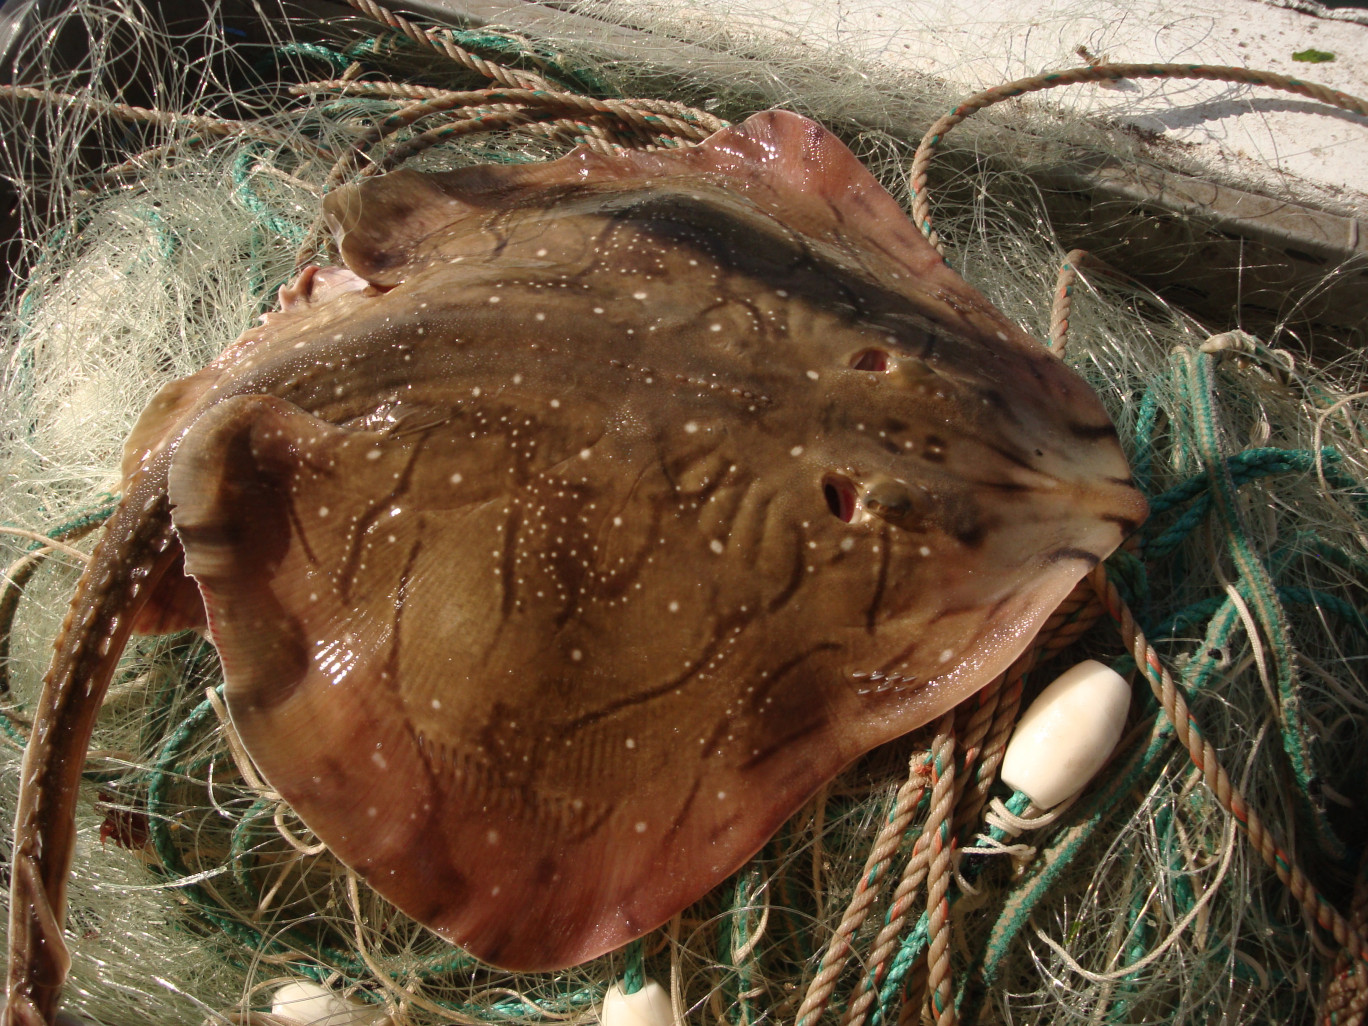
1142, 463
736, 937
634, 972
241, 172
1198, 374
1136, 771
1240, 469
336, 61
915, 944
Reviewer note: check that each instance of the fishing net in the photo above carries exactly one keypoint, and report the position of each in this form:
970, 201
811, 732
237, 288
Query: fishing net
166, 180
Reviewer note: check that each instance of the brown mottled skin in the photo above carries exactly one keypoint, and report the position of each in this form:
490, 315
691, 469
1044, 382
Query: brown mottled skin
567, 541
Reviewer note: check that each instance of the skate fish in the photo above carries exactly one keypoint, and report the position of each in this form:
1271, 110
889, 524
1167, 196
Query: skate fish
561, 542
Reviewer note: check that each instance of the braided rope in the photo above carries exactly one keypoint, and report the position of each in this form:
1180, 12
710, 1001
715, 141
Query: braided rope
921, 202
939, 978
994, 746
1204, 757
646, 122
890, 838
657, 118
928, 846
479, 120
447, 101
978, 735
1346, 998
984, 736
1070, 620
439, 41
1063, 300
597, 123
984, 741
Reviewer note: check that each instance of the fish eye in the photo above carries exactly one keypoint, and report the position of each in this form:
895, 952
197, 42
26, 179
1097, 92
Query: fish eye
893, 501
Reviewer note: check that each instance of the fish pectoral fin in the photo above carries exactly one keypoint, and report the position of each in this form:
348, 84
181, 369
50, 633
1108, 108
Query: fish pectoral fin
156, 424
379, 222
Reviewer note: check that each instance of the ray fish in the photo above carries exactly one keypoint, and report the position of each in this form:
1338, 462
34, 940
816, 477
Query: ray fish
561, 542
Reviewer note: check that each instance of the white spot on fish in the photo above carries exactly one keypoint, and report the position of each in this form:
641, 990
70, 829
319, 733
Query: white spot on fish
456, 478
797, 450
691, 427
716, 546
322, 511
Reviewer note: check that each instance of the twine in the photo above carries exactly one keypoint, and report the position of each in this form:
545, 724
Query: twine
921, 160
1214, 775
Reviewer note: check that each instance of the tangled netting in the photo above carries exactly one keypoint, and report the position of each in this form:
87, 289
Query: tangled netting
154, 222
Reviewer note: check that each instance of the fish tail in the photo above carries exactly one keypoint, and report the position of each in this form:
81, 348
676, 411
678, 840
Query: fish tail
135, 552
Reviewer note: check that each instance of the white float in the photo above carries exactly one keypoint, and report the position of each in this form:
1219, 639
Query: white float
650, 1006
310, 1004
1067, 734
